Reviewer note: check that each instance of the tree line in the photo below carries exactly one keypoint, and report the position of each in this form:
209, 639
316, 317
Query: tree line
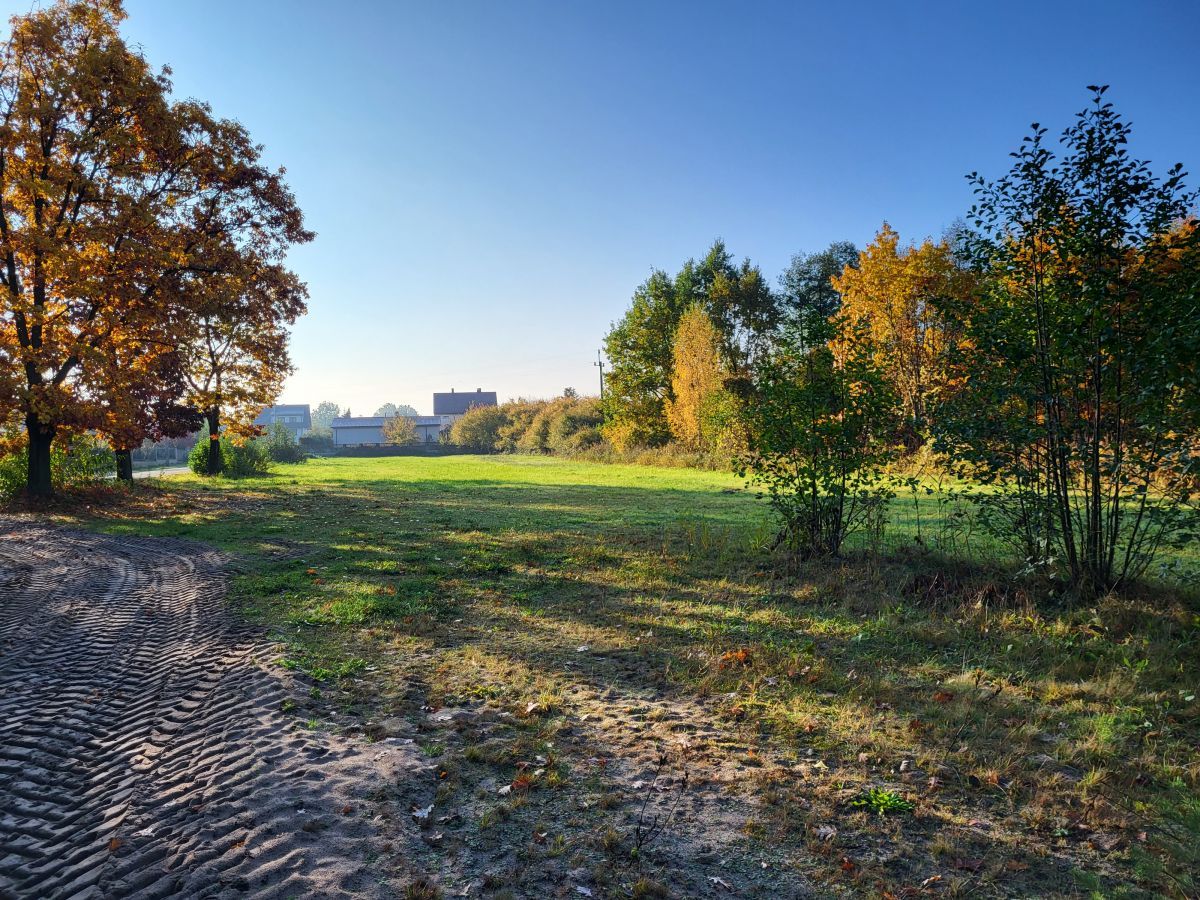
143, 284
1046, 347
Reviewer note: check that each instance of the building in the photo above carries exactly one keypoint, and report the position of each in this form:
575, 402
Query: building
367, 431
455, 405
296, 417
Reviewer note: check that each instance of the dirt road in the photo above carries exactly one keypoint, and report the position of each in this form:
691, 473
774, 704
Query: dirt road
143, 748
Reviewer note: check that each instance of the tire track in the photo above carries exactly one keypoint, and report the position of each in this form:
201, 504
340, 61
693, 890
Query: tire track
143, 752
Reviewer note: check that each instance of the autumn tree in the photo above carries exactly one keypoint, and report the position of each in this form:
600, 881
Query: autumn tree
898, 295
114, 204
400, 431
80, 188
143, 408
697, 382
1079, 403
736, 297
640, 347
237, 350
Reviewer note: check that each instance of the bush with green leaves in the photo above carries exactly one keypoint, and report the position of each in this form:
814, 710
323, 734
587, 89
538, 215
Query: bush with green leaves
245, 460
819, 415
83, 460
1078, 403
282, 446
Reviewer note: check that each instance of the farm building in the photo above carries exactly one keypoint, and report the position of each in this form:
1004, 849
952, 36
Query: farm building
367, 431
296, 417
455, 404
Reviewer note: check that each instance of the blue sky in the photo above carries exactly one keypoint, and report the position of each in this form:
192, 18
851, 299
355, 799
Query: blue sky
490, 180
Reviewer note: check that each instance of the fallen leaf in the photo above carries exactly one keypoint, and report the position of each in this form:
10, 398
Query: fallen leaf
720, 882
847, 864
422, 814
943, 696
113, 844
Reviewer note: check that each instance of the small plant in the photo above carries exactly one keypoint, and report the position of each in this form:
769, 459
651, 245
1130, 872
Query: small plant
881, 801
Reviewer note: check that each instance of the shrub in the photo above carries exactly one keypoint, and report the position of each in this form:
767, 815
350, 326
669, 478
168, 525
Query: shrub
246, 460
575, 425
819, 421
81, 461
282, 446
1079, 375
237, 460
521, 414
479, 429
401, 431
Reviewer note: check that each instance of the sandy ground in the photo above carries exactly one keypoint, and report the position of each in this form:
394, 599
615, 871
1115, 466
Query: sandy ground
143, 747
151, 747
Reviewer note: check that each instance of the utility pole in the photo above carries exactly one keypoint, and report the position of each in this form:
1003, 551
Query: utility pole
600, 362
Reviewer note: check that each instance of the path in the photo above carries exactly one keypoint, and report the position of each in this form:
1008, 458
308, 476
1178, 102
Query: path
143, 747
160, 471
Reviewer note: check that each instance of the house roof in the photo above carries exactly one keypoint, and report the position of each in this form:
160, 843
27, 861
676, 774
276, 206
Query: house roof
455, 404
271, 413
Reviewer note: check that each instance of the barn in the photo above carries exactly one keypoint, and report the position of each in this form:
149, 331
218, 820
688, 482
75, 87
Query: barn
367, 431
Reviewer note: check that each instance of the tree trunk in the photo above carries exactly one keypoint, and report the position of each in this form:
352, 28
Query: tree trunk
124, 465
213, 417
41, 436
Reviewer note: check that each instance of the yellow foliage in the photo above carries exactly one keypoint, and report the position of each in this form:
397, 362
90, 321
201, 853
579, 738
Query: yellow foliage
698, 374
895, 293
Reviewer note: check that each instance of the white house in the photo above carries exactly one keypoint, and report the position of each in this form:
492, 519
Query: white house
296, 417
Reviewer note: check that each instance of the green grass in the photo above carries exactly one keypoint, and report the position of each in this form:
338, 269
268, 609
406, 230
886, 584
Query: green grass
974, 696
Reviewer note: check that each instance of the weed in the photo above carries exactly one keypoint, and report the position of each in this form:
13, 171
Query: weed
881, 801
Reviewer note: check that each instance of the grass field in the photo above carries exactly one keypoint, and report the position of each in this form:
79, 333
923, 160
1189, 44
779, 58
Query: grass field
870, 726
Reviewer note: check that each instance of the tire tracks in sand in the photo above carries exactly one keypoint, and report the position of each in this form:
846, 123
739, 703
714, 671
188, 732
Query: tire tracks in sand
143, 748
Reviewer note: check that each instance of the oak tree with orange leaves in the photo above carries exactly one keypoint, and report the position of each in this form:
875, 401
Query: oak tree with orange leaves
122, 214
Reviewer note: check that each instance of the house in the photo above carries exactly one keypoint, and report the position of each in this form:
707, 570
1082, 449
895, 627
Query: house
296, 417
455, 405
368, 431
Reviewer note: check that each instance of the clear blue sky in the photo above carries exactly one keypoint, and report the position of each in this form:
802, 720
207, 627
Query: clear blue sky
490, 180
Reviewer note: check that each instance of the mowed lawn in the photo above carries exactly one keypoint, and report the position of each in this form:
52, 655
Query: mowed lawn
1015, 745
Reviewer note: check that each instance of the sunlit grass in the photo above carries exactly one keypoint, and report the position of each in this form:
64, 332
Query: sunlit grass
480, 578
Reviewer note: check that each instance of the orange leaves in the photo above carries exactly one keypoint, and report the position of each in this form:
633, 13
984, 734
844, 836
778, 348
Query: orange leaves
732, 658
888, 292
942, 696
164, 287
